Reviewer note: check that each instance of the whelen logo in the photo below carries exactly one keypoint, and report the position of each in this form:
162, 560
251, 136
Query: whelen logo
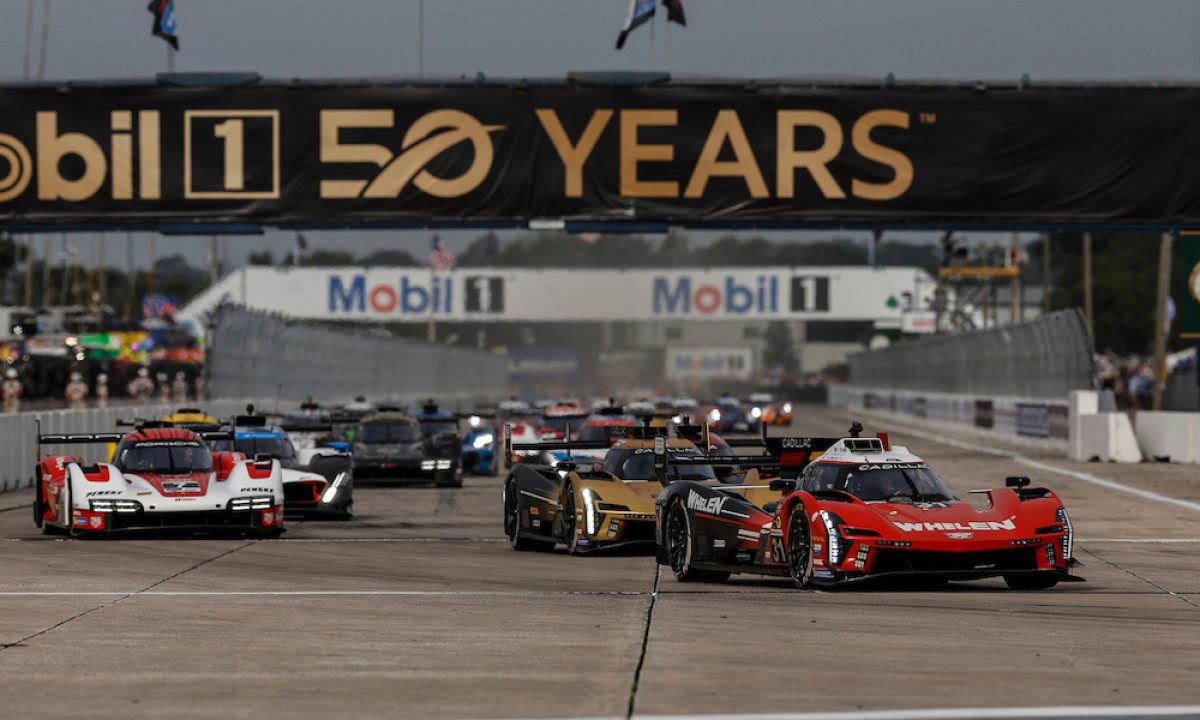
947, 527
425, 140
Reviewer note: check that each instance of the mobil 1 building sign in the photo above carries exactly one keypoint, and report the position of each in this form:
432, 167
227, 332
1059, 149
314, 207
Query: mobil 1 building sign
502, 294
679, 153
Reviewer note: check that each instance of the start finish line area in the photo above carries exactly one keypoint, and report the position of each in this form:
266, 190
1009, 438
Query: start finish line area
418, 608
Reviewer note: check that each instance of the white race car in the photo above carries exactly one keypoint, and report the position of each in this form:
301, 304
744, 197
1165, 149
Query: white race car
161, 478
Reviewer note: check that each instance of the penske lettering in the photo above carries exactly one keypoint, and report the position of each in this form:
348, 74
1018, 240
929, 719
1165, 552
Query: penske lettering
956, 526
711, 505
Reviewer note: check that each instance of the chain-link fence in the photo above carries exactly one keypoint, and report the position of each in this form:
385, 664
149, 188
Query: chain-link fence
1042, 359
254, 354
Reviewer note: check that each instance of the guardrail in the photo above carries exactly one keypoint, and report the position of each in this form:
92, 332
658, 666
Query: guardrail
254, 354
1043, 359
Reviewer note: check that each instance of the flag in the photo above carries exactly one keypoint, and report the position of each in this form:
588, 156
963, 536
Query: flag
640, 12
440, 256
164, 21
301, 246
675, 11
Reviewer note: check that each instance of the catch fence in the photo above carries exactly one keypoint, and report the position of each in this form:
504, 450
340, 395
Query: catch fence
253, 354
1045, 359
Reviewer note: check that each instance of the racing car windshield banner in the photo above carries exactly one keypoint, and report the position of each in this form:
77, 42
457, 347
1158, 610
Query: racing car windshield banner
296, 153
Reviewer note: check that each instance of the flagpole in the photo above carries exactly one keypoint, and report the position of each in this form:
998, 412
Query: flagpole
421, 38
171, 50
45, 39
27, 67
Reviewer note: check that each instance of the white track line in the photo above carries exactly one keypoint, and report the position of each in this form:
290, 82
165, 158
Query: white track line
1071, 711
1085, 477
289, 593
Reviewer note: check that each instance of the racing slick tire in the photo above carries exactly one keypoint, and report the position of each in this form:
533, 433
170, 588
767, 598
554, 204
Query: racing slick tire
799, 547
512, 524
1029, 582
679, 549
570, 536
39, 501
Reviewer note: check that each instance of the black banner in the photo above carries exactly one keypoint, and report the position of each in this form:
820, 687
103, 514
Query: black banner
684, 154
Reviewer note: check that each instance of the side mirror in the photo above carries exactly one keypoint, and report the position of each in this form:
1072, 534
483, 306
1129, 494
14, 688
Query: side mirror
783, 486
1016, 481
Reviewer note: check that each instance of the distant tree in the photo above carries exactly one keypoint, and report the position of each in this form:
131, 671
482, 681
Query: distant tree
780, 351
261, 258
394, 258
328, 258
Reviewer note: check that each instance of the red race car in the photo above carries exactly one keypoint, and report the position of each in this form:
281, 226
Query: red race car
861, 509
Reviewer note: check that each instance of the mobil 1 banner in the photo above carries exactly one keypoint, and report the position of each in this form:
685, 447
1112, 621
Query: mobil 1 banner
502, 294
680, 153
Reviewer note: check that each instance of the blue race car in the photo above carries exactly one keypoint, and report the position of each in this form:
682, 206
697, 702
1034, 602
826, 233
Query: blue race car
479, 447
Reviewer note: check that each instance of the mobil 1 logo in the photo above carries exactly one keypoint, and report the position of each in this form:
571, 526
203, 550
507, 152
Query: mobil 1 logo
484, 294
231, 154
810, 293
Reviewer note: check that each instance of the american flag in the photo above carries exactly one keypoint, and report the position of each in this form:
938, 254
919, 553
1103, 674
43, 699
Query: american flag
440, 256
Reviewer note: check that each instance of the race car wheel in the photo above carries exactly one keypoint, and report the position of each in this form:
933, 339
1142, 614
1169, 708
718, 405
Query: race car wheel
39, 501
679, 549
512, 523
799, 547
570, 537
1029, 582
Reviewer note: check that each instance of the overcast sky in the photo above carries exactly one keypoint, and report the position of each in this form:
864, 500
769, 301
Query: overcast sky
957, 39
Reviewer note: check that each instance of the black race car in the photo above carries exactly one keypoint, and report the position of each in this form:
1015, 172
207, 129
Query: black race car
392, 447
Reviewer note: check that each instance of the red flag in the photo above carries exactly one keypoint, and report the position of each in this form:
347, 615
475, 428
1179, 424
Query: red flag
675, 11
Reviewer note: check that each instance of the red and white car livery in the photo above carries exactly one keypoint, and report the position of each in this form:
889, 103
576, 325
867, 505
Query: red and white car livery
859, 510
160, 478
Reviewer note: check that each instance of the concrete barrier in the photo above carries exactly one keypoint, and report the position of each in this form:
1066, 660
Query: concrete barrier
1169, 436
1107, 437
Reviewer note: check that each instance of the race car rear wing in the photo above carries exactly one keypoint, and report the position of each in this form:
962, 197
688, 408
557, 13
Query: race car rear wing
106, 438
789, 454
510, 447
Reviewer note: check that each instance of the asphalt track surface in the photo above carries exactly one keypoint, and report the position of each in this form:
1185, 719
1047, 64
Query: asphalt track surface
418, 608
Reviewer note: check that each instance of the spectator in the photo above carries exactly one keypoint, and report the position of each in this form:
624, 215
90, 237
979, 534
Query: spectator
11, 391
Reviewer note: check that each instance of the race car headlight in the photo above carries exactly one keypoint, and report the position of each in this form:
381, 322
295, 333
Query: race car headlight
714, 415
332, 491
787, 408
474, 420
755, 413
832, 541
1069, 536
677, 419
120, 506
591, 513
482, 441
240, 504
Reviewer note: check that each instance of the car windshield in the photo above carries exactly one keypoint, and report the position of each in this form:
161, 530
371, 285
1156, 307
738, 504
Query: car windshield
251, 444
900, 482
384, 433
167, 457
639, 465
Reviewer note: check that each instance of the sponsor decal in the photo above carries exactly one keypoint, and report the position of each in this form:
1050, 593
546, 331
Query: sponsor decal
181, 486
718, 543
96, 522
894, 466
960, 535
82, 521
420, 294
977, 525
792, 443
710, 505
103, 492
823, 573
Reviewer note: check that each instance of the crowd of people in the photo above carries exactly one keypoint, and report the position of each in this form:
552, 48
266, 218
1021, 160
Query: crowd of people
1131, 379
141, 389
